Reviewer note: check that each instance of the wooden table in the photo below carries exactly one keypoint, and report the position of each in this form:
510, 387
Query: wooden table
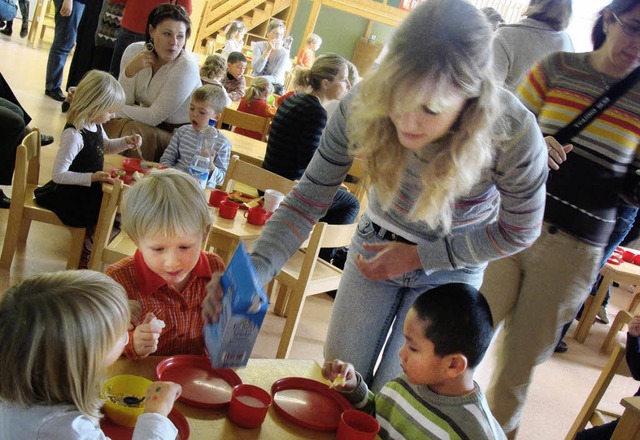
623, 273
249, 149
629, 424
213, 424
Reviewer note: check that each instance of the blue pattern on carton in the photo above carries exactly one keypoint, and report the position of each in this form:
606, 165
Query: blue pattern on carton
244, 306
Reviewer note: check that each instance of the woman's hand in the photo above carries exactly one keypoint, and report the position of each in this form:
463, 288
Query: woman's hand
557, 152
634, 327
212, 304
133, 141
393, 259
331, 370
141, 61
102, 176
275, 44
146, 335
67, 8
161, 396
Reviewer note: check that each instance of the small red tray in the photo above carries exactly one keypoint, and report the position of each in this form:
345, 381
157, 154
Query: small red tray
202, 385
309, 403
117, 432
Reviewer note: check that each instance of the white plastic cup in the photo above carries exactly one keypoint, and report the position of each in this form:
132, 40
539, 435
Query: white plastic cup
272, 200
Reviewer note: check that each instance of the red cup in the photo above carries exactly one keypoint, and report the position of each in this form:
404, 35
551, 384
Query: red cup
636, 260
249, 405
228, 209
256, 216
356, 425
216, 197
628, 256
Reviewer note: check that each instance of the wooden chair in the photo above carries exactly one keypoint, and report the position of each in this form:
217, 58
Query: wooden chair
359, 183
105, 250
239, 171
590, 412
43, 17
248, 80
622, 318
24, 208
244, 120
305, 274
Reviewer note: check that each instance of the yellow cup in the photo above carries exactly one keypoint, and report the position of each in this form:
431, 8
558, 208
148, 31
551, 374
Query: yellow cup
115, 390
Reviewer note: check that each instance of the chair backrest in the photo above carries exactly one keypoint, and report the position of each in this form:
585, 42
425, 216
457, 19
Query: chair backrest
254, 176
589, 413
244, 120
111, 201
248, 80
27, 165
323, 236
359, 183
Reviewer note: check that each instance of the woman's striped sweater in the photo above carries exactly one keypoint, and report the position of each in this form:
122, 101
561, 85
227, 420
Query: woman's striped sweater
582, 195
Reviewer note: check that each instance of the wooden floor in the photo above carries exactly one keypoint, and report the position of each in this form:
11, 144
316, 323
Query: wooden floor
560, 385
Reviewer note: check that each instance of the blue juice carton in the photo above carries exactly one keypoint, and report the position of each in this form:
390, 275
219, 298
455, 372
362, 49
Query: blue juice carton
244, 306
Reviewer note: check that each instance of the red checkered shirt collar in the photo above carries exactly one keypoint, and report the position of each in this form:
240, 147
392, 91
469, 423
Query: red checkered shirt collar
149, 282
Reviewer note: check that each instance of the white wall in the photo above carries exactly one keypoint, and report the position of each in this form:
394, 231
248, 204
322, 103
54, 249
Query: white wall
584, 13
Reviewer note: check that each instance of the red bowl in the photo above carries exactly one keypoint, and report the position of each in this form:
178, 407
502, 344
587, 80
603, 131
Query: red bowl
132, 164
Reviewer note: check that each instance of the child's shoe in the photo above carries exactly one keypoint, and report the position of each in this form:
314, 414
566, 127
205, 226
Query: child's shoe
602, 315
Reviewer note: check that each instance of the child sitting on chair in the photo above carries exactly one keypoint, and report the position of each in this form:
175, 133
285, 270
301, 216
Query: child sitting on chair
212, 72
447, 332
255, 103
167, 217
234, 81
207, 102
307, 54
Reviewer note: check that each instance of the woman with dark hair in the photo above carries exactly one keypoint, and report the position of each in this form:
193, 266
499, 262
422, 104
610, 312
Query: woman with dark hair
519, 45
541, 288
271, 58
159, 75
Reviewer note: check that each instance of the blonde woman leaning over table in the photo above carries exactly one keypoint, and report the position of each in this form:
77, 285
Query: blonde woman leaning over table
455, 184
542, 287
158, 77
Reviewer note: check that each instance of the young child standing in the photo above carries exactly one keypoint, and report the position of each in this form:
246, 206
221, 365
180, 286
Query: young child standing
234, 81
167, 217
307, 54
212, 71
255, 103
207, 102
75, 191
447, 332
60, 332
235, 38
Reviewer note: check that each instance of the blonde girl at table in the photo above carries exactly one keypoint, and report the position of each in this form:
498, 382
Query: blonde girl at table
60, 331
458, 168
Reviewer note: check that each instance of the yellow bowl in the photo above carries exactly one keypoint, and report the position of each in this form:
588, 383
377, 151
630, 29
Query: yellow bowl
118, 387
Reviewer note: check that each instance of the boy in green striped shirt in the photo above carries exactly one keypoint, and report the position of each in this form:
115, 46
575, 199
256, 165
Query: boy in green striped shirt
447, 332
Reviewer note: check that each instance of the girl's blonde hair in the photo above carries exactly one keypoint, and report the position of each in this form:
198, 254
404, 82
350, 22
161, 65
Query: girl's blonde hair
259, 86
214, 67
57, 330
235, 27
167, 202
326, 66
457, 57
97, 93
313, 38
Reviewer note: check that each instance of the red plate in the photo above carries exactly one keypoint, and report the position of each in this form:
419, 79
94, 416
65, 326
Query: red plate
309, 403
117, 432
202, 385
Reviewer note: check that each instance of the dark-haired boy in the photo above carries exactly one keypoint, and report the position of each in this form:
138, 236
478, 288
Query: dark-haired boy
234, 82
447, 332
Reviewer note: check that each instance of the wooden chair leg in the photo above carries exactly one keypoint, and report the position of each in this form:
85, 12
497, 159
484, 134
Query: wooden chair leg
23, 232
591, 307
635, 301
294, 310
75, 250
11, 237
282, 299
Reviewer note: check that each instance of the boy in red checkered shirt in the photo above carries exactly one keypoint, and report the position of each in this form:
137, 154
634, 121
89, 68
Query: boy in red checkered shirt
167, 217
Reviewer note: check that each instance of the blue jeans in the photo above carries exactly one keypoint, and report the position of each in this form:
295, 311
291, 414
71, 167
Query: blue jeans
63, 41
343, 211
8, 10
365, 310
125, 38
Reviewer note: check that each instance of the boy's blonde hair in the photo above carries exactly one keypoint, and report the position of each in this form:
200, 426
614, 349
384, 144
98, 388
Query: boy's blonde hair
168, 202
258, 87
459, 58
326, 66
57, 330
313, 38
213, 95
97, 93
214, 67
